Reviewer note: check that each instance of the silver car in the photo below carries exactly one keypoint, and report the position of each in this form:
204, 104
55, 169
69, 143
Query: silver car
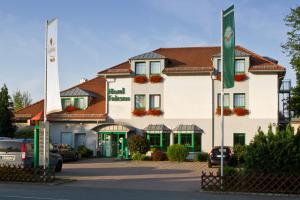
20, 153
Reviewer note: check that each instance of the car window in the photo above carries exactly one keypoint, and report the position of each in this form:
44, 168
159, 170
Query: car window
10, 146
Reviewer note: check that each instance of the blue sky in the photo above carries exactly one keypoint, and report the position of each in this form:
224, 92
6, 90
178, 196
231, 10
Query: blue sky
94, 35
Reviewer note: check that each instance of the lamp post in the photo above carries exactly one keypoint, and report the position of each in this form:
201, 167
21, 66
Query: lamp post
213, 76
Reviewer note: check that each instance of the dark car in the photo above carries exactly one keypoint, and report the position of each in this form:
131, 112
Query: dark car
214, 157
67, 152
20, 152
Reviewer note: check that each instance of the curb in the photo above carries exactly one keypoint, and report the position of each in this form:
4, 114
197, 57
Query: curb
251, 193
58, 181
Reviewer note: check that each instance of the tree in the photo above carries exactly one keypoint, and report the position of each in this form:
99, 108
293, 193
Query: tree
21, 100
292, 49
6, 127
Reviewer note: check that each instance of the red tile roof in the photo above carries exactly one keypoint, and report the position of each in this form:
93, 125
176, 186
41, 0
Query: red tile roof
198, 60
95, 111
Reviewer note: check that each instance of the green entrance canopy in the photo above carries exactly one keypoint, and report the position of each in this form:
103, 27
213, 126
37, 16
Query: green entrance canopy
157, 128
112, 128
187, 129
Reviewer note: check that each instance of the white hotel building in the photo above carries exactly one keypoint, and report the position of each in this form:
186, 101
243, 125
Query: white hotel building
172, 96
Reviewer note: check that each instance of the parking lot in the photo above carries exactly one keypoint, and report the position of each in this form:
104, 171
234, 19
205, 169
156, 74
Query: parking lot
146, 175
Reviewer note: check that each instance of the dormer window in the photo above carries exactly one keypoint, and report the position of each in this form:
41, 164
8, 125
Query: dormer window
65, 102
155, 67
80, 103
140, 68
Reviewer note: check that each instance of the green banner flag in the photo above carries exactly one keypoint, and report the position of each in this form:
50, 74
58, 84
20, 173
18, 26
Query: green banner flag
228, 47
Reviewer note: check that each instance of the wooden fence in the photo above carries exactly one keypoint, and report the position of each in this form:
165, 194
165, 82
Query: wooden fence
251, 182
13, 173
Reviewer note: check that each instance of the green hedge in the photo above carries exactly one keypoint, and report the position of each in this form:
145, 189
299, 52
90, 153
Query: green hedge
202, 157
138, 144
85, 152
138, 156
177, 152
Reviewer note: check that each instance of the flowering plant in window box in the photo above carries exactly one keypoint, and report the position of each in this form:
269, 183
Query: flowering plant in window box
226, 111
240, 111
140, 79
240, 77
139, 112
154, 112
70, 108
155, 79
218, 77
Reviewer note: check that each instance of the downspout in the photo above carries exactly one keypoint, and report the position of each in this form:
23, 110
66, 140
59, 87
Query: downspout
212, 112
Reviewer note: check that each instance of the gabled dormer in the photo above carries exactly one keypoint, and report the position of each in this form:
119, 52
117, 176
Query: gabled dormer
242, 62
76, 99
147, 64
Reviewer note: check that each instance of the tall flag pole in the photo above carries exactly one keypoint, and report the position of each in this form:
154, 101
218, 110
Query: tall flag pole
227, 63
52, 102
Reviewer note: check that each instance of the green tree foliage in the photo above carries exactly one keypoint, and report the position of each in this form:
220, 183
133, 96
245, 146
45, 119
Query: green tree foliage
292, 49
177, 152
138, 144
277, 152
21, 100
6, 127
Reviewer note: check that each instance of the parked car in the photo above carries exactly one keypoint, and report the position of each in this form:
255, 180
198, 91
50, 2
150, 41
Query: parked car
20, 152
67, 152
214, 157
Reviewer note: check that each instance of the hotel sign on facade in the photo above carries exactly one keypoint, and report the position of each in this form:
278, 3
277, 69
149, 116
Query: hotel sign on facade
113, 95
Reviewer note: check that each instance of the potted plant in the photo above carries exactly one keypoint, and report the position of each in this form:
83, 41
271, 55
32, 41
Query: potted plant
140, 79
154, 112
240, 77
226, 111
139, 112
156, 78
240, 111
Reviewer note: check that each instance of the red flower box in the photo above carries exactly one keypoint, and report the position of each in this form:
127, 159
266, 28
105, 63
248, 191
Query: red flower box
240, 77
154, 112
139, 112
140, 79
218, 77
70, 108
226, 111
156, 79
241, 111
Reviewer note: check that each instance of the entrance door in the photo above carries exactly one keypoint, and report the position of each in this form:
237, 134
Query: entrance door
80, 139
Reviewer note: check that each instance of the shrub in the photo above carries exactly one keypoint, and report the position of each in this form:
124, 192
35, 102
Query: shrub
177, 152
239, 151
138, 144
138, 156
277, 152
202, 157
228, 171
85, 152
158, 156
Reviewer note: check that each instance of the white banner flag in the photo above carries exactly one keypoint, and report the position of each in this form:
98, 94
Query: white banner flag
53, 102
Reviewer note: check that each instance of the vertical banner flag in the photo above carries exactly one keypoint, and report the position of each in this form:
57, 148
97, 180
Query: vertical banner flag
228, 47
53, 102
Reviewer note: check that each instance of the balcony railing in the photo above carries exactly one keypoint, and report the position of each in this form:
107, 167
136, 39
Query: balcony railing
285, 86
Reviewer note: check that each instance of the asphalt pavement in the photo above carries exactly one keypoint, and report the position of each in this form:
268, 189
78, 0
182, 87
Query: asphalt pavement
63, 192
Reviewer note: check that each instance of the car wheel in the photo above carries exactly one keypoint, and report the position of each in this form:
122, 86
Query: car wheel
76, 157
58, 166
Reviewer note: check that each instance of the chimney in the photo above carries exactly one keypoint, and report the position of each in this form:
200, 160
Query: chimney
83, 80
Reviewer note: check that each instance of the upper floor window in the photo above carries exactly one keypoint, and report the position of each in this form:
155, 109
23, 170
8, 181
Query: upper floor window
218, 65
155, 101
79, 103
240, 66
140, 68
239, 100
140, 101
154, 67
226, 100
66, 102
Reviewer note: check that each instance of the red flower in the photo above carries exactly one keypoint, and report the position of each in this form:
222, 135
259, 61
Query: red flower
70, 108
155, 79
218, 77
240, 77
154, 112
226, 111
139, 112
241, 111
140, 79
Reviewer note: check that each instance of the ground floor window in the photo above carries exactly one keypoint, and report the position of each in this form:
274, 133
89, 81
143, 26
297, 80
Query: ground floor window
159, 140
239, 138
67, 138
191, 140
154, 140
